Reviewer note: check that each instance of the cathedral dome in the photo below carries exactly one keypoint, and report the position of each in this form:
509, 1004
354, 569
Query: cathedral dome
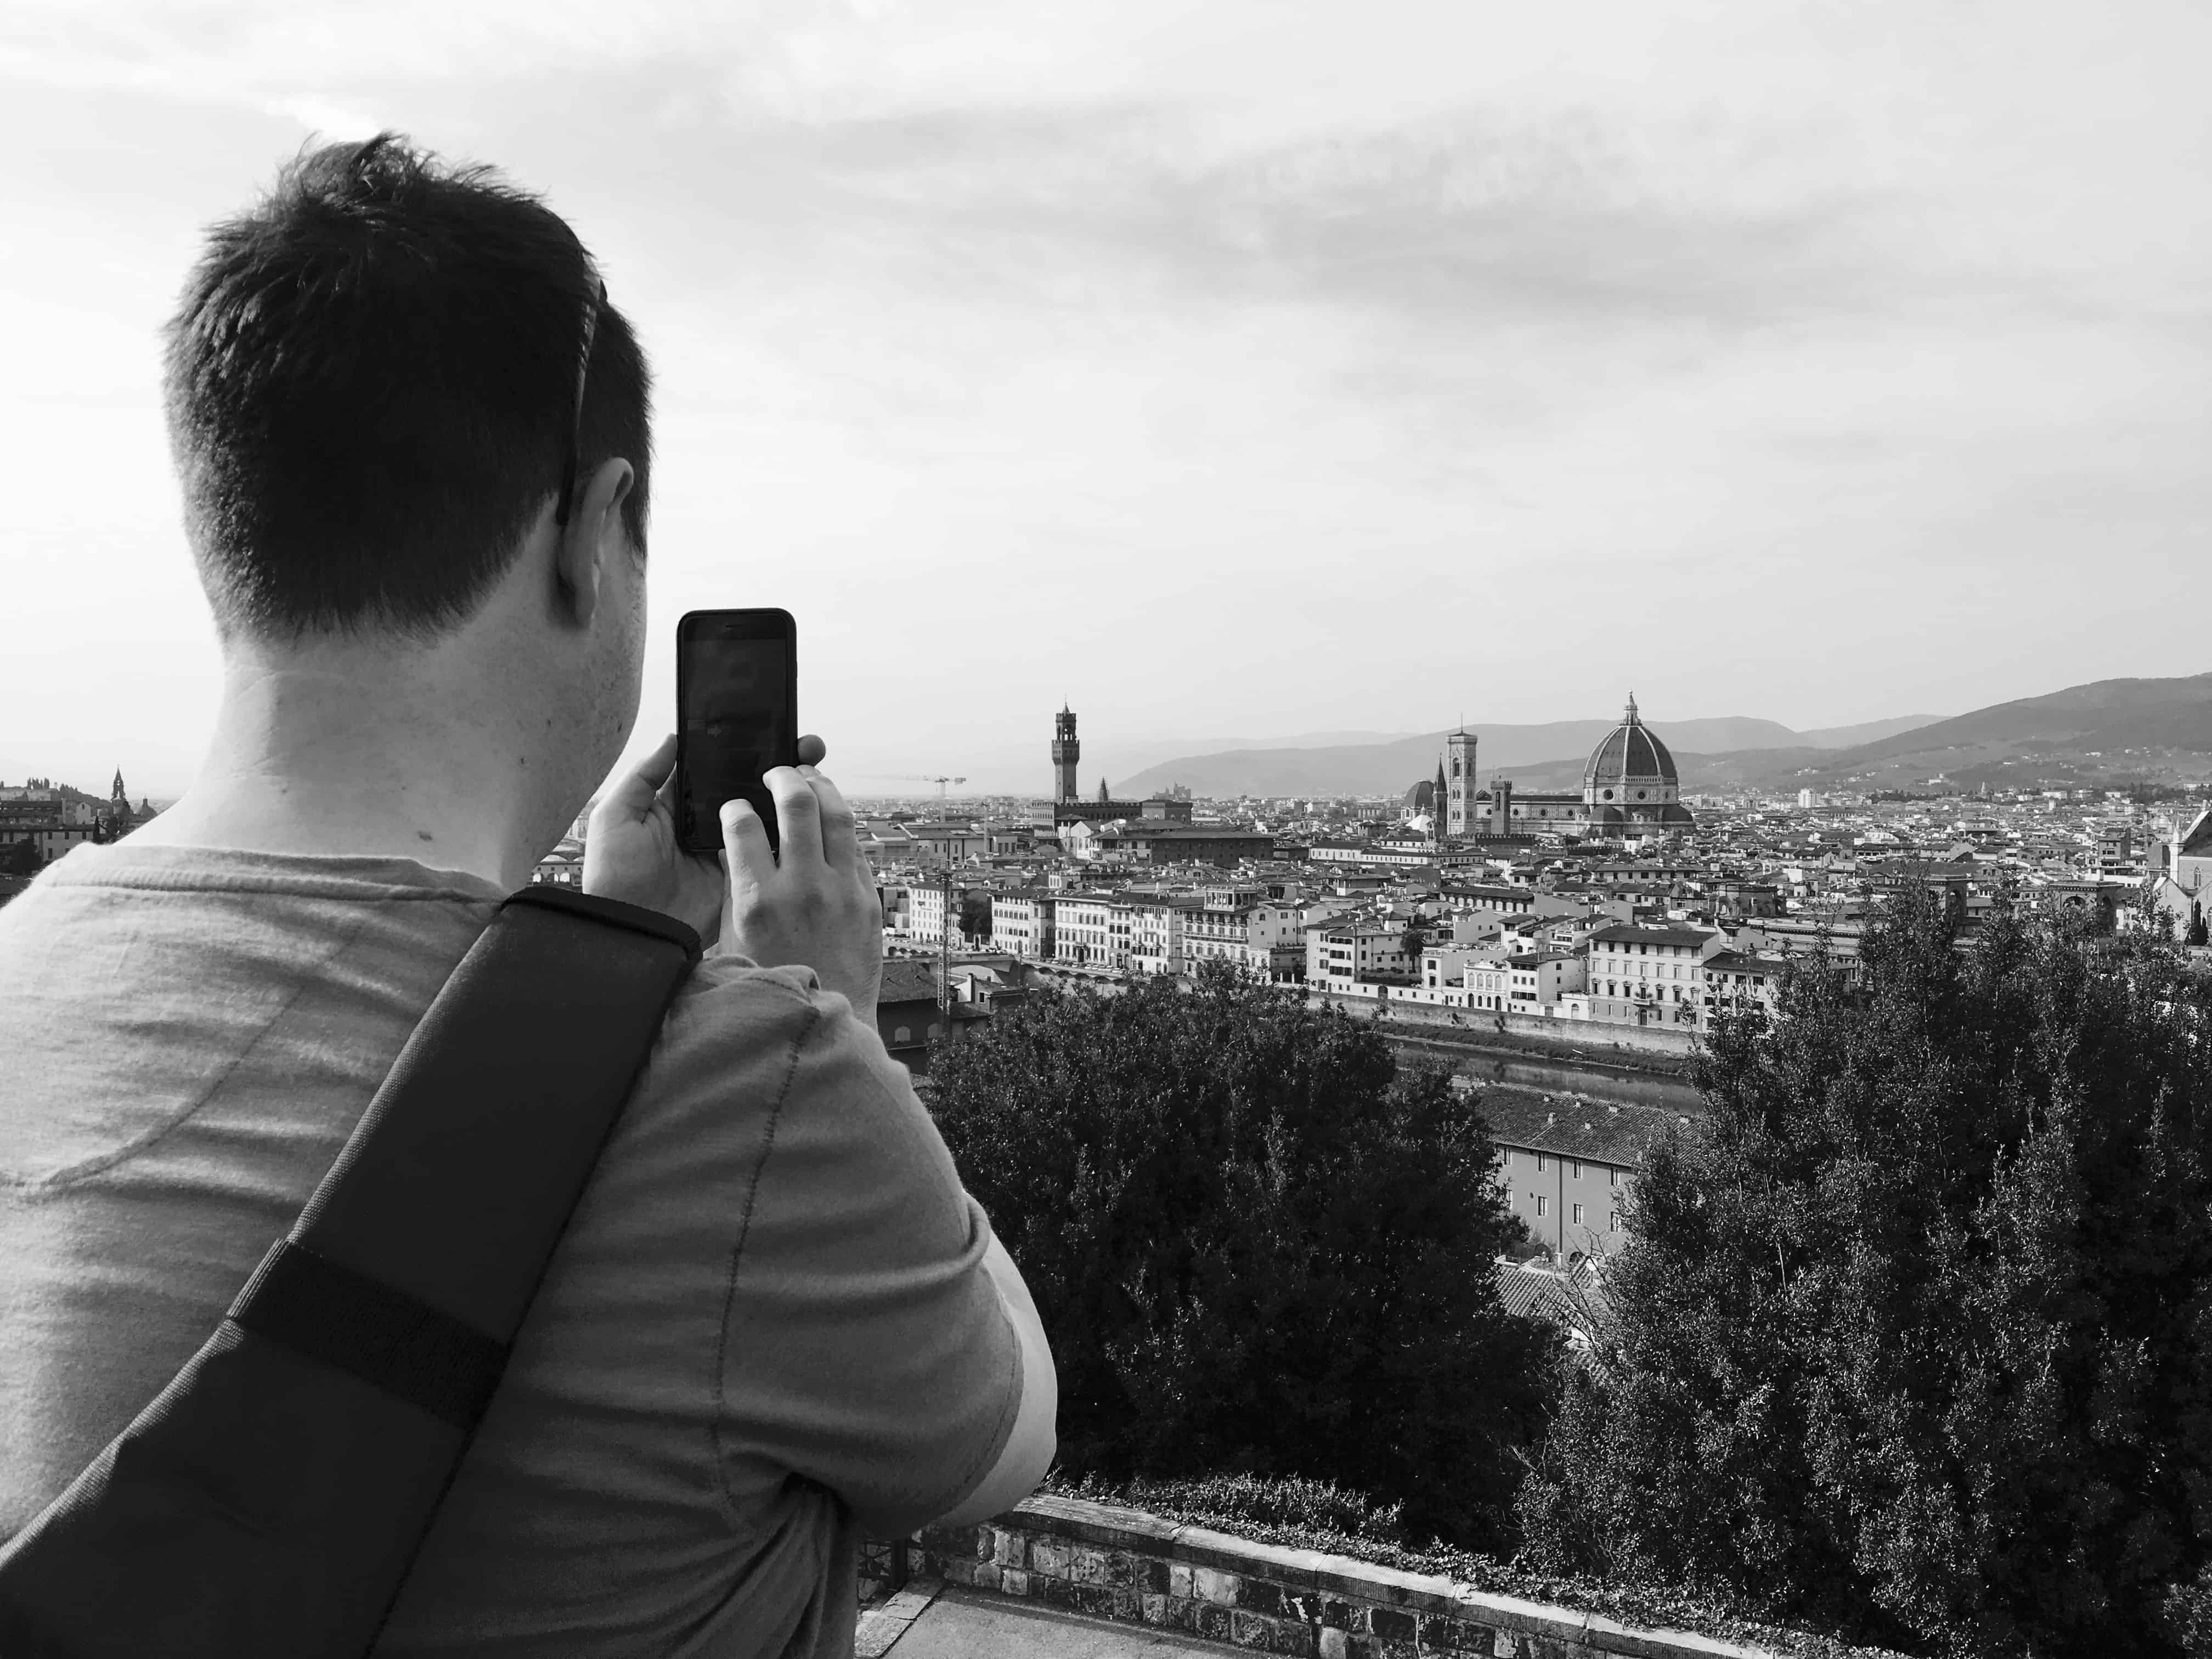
1630, 759
1421, 798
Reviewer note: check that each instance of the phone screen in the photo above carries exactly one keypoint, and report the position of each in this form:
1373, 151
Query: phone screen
737, 681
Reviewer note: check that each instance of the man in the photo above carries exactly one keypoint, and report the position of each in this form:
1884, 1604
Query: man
411, 433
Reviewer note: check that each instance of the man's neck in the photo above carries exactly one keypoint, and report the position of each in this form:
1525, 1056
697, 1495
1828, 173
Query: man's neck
366, 759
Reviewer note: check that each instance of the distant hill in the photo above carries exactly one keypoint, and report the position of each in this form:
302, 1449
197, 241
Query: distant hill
2107, 733
1847, 737
2109, 729
1530, 754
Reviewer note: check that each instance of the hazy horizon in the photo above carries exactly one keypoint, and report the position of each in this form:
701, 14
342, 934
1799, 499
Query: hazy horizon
1258, 369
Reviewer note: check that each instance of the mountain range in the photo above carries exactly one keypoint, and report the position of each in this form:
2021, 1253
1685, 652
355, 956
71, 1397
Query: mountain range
2108, 731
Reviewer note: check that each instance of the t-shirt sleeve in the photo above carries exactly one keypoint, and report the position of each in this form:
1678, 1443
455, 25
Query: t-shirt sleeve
864, 1346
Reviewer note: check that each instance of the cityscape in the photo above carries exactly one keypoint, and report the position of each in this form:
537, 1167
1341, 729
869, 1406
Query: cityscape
1522, 961
1623, 919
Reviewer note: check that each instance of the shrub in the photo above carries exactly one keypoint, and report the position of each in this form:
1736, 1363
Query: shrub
1256, 1244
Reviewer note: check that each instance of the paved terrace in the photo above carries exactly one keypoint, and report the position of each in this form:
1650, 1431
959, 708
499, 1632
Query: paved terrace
1077, 1580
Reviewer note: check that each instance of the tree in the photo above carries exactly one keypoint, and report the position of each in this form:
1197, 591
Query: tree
975, 915
1916, 1334
1413, 942
1255, 1243
20, 858
2197, 933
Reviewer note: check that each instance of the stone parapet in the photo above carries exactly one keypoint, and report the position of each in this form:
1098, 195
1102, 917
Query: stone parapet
1123, 1563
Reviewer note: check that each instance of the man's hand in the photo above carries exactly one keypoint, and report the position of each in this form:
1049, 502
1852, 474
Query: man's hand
813, 903
630, 851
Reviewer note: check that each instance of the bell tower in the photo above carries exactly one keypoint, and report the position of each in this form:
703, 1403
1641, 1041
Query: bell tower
1065, 751
1457, 809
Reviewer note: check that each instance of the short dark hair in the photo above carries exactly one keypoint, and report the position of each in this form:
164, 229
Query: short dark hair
372, 384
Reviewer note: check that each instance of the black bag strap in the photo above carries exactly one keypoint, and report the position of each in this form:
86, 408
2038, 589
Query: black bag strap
270, 1499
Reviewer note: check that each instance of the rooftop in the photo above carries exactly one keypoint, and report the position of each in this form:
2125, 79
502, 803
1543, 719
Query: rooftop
1603, 1132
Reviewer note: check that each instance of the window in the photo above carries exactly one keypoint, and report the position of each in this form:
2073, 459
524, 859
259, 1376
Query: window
903, 1034
1612, 1177
1543, 1206
1578, 1215
1578, 1174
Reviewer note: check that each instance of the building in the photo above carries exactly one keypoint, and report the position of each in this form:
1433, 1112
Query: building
1340, 956
1090, 930
908, 1018
2189, 855
941, 843
1263, 938
51, 838
1734, 982
1158, 927
1629, 787
1648, 976
1397, 852
41, 813
1456, 774
1802, 936
1568, 1165
563, 866
1021, 924
1065, 751
1157, 843
1066, 808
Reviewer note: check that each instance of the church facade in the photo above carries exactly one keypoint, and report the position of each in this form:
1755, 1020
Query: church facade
1630, 786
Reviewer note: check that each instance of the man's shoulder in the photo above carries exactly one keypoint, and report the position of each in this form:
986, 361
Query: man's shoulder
736, 1025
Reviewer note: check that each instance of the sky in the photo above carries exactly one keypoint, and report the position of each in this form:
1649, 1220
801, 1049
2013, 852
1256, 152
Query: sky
1240, 369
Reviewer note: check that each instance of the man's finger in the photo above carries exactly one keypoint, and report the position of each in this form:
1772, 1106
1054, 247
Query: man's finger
797, 816
633, 790
840, 832
744, 840
813, 751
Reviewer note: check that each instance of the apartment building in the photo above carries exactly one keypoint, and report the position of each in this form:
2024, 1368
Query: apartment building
1340, 955
1090, 930
1159, 930
1735, 982
1021, 924
1568, 1166
1649, 975
925, 915
1264, 938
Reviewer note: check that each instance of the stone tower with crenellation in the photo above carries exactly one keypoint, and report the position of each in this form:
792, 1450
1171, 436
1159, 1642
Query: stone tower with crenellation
1065, 751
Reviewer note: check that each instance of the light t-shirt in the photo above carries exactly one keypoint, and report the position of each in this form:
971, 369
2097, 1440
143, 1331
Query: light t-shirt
768, 1322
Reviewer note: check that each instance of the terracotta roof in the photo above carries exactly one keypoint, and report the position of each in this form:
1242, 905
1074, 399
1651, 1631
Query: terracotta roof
1622, 932
1732, 961
1532, 1293
1599, 1132
907, 980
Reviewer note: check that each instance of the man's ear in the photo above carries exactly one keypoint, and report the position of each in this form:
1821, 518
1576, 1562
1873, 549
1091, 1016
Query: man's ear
592, 538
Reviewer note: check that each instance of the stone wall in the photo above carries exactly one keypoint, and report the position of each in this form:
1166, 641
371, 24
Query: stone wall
1594, 1035
1122, 1563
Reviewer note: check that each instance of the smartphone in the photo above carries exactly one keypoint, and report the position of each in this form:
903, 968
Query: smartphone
736, 715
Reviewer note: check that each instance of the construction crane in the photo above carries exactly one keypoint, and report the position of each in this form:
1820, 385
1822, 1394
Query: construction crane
944, 887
